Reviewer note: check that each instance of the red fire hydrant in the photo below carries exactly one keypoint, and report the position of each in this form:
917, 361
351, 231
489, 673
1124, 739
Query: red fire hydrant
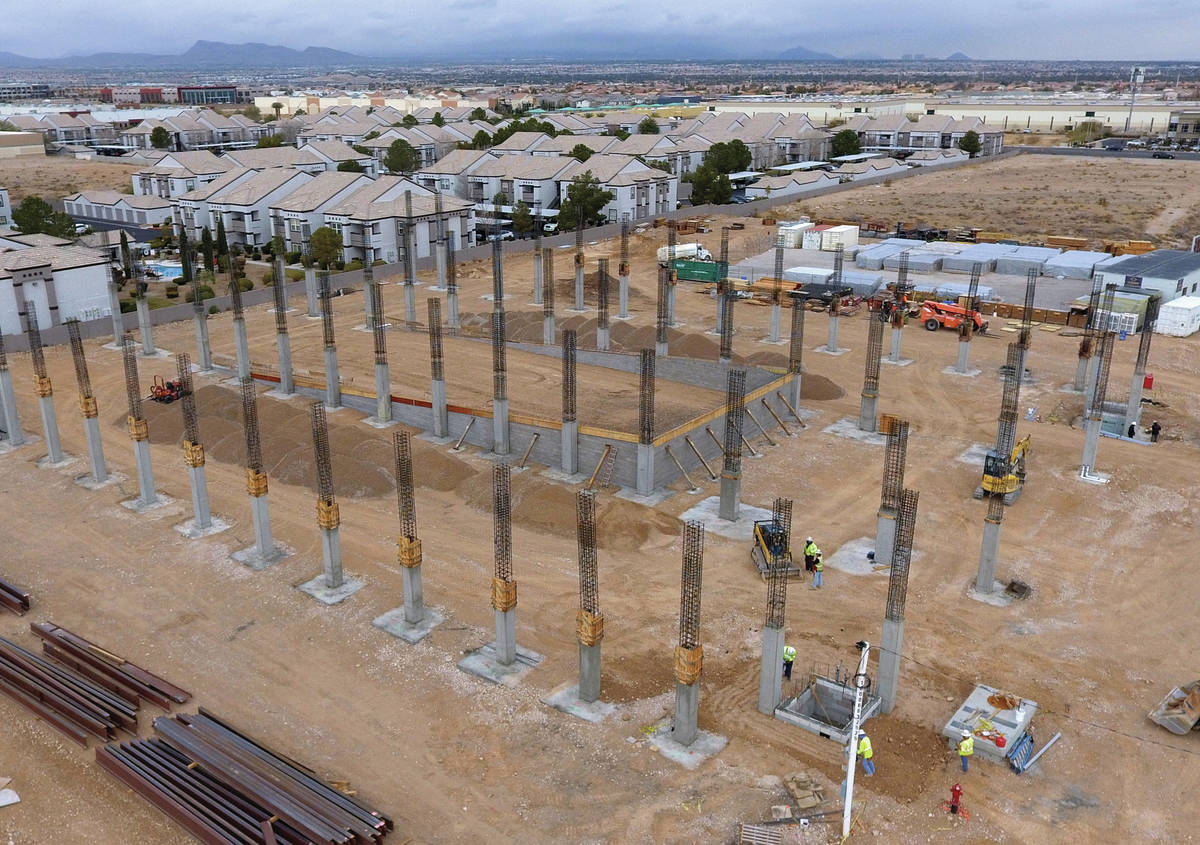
955, 798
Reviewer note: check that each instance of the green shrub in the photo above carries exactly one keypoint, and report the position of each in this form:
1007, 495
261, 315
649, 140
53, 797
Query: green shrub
354, 264
256, 255
339, 264
377, 262
172, 291
294, 275
268, 278
157, 302
206, 292
212, 309
245, 285
292, 257
128, 306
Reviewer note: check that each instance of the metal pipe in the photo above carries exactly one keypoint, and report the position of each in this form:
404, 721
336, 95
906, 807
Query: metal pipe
458, 446
599, 464
788, 405
746, 443
760, 428
771, 411
700, 457
716, 439
529, 449
1042, 751
679, 466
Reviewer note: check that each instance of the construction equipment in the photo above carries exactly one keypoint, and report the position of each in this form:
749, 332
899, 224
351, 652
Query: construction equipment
1004, 475
1179, 712
936, 315
771, 542
165, 391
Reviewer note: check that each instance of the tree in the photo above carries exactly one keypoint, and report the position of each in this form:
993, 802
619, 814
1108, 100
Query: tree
585, 198
648, 126
481, 141
298, 112
582, 152
501, 198
278, 107
731, 157
326, 246
185, 257
372, 135
438, 120
160, 138
252, 111
126, 255
351, 166
845, 143
522, 219
969, 143
401, 157
7, 126
477, 113
709, 187
222, 244
621, 133
207, 249
410, 120
269, 141
32, 215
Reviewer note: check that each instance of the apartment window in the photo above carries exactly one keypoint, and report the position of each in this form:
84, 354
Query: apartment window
337, 227
190, 185
294, 225
1089, 114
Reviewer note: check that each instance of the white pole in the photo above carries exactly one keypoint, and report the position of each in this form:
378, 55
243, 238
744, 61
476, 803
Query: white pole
852, 745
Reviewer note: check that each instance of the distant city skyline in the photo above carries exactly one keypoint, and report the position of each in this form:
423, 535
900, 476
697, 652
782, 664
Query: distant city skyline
1154, 30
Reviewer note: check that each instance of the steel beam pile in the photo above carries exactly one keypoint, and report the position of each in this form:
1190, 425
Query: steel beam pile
222, 786
13, 597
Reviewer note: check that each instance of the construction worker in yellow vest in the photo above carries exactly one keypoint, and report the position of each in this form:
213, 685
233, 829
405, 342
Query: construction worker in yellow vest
966, 748
818, 568
789, 657
810, 554
866, 752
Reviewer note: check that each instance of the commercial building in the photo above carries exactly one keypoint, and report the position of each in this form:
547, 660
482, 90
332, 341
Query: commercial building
1183, 126
203, 95
1173, 273
59, 282
19, 144
117, 208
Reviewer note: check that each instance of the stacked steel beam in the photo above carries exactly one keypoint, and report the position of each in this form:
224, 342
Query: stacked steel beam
223, 786
13, 597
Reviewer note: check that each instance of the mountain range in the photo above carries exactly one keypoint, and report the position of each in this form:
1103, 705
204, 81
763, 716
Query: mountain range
200, 55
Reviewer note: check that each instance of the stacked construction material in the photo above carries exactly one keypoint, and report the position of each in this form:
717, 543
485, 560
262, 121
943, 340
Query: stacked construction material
1025, 258
13, 597
985, 255
73, 704
223, 786
1074, 264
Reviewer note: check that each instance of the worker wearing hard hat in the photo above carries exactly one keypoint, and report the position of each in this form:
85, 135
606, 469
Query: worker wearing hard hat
966, 747
789, 657
866, 752
818, 568
810, 552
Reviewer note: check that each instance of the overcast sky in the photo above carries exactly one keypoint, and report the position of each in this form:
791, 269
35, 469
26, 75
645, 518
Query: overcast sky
1063, 29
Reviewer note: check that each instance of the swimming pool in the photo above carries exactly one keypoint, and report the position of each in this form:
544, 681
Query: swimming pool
166, 271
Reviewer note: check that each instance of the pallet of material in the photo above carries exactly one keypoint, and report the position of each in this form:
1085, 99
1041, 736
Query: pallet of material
13, 597
223, 786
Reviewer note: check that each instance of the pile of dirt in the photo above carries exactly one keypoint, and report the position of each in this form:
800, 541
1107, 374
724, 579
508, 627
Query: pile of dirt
819, 389
905, 757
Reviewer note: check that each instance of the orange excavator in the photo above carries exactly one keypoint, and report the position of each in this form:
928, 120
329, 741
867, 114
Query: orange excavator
166, 391
936, 315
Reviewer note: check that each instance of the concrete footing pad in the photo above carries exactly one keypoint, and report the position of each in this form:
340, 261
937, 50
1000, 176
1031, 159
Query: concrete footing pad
439, 441
135, 504
691, 756
331, 595
953, 371
851, 558
568, 478
974, 455
649, 500
393, 622
6, 445
1094, 478
903, 362
998, 597
279, 394
375, 422
848, 428
565, 699
707, 511
46, 463
482, 663
89, 483
249, 557
824, 350
188, 529
157, 353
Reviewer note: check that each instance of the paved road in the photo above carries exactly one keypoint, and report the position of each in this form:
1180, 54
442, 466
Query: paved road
1088, 151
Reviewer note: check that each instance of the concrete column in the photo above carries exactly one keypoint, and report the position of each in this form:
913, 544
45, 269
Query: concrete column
989, 554
731, 496
1081, 369
264, 545
91, 426
1133, 410
118, 320
773, 330
333, 384
589, 672
441, 417
660, 349
383, 393
548, 330
243, 348
570, 446
579, 287
770, 677
287, 383
500, 426
537, 277
148, 495
897, 333
671, 285
369, 316
1093, 376
506, 636
439, 250
414, 594
144, 327
645, 469
602, 339
203, 346
452, 309
964, 356
891, 645
885, 536
623, 296
200, 508
720, 314
331, 550
687, 712
831, 345
410, 303
310, 291
1091, 442
12, 422
868, 412
794, 390
54, 452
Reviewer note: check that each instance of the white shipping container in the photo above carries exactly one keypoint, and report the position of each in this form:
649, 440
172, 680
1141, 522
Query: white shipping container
835, 236
792, 235
1179, 317
812, 238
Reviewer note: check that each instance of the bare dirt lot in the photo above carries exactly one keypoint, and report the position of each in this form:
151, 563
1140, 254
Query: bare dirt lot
454, 760
53, 177
1036, 195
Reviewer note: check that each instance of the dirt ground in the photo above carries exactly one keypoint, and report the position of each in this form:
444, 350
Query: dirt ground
1086, 197
53, 177
455, 760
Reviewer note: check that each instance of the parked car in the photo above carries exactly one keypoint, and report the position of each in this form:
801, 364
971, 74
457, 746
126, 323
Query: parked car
502, 236
550, 228
1162, 155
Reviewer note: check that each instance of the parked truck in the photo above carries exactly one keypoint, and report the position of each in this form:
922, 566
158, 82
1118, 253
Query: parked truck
696, 271
689, 251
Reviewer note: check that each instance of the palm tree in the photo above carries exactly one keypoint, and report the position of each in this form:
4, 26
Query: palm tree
278, 107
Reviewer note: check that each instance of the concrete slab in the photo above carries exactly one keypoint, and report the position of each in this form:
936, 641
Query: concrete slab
565, 699
851, 558
567, 478
689, 756
482, 663
89, 483
188, 529
903, 362
767, 341
649, 500
158, 353
707, 512
6, 446
393, 623
46, 463
848, 428
250, 557
998, 597
1012, 724
953, 371
135, 504
440, 441
1095, 478
488, 297
278, 394
375, 422
824, 350
331, 595
974, 455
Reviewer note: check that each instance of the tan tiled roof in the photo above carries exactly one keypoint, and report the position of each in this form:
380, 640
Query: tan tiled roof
422, 206
258, 186
563, 144
259, 158
522, 141
335, 150
319, 191
58, 257
524, 167
223, 181
637, 145
102, 197
456, 162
